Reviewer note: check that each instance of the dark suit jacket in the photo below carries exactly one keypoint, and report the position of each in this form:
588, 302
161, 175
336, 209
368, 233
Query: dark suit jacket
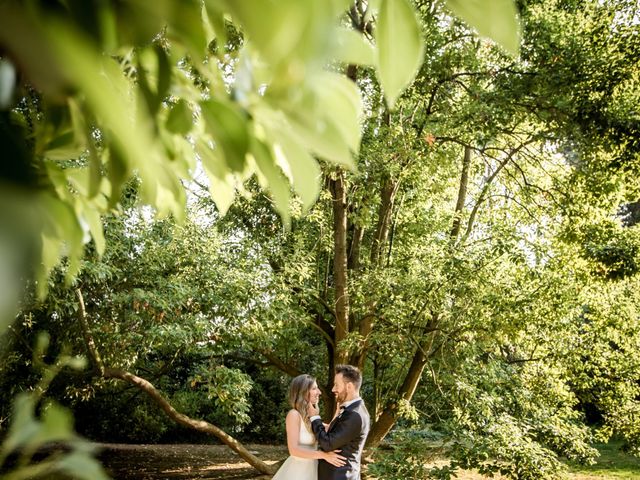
346, 433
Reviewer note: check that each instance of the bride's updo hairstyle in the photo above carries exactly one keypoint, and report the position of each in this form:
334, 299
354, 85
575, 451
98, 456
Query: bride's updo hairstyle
299, 394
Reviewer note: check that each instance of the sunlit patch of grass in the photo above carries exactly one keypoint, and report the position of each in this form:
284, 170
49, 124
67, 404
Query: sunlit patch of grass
612, 463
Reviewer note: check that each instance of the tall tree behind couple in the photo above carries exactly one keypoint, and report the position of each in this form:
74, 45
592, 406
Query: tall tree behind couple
321, 451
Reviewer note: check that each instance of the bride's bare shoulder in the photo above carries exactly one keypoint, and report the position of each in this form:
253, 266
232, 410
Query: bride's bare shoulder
293, 419
293, 413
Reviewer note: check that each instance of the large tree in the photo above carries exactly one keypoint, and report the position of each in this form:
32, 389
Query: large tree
94, 94
436, 263
443, 244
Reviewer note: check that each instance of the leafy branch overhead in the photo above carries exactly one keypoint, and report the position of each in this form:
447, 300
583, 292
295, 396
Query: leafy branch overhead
161, 92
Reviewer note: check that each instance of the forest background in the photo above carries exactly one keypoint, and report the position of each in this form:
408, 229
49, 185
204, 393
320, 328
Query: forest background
203, 219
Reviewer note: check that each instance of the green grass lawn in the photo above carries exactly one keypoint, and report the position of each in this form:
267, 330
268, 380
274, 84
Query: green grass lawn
612, 463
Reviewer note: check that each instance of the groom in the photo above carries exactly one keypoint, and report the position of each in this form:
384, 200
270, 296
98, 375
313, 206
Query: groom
347, 431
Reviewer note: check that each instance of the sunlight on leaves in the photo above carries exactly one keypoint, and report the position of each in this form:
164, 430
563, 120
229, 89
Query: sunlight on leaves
352, 47
496, 19
400, 47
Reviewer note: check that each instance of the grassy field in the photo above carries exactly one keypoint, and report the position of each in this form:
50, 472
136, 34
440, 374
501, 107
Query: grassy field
612, 463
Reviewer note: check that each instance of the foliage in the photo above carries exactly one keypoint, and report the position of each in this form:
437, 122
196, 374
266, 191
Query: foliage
154, 311
228, 388
484, 295
614, 249
473, 264
406, 455
606, 367
94, 95
30, 433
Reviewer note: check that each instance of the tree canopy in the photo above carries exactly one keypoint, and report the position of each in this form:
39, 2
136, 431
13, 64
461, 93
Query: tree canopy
457, 221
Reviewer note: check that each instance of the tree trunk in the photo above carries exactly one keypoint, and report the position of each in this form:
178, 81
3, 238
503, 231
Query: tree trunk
340, 263
146, 387
389, 415
462, 196
357, 233
388, 195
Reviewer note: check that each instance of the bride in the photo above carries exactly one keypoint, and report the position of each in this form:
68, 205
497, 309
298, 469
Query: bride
303, 462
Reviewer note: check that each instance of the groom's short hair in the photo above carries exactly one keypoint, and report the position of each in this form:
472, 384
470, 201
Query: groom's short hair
350, 374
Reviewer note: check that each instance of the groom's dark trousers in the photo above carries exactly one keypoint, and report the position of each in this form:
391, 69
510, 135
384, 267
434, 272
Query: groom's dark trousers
347, 433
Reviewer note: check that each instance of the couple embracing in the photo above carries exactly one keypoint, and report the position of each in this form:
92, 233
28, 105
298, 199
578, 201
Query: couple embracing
321, 451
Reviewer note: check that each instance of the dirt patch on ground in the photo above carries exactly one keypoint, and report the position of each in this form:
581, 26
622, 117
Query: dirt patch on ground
185, 462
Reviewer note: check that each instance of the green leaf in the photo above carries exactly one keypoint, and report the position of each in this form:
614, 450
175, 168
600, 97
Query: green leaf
82, 466
277, 30
326, 142
57, 424
60, 229
117, 172
287, 31
106, 18
164, 73
342, 106
340, 6
400, 47
127, 130
20, 34
187, 22
78, 178
180, 120
216, 21
94, 222
496, 19
23, 424
352, 47
77, 362
154, 77
228, 127
290, 154
145, 89
271, 176
301, 168
43, 342
64, 146
82, 131
221, 185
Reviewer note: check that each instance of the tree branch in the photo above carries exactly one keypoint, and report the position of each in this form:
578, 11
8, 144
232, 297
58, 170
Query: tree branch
180, 418
462, 196
287, 368
148, 388
92, 350
485, 188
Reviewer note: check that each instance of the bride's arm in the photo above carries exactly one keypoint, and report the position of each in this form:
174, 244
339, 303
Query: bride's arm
297, 450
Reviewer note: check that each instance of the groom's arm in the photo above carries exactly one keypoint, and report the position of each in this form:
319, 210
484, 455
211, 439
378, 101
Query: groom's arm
342, 432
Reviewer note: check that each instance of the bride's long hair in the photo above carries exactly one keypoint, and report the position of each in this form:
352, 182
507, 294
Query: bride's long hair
299, 396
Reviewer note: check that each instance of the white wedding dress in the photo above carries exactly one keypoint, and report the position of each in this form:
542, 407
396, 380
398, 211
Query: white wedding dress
296, 468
